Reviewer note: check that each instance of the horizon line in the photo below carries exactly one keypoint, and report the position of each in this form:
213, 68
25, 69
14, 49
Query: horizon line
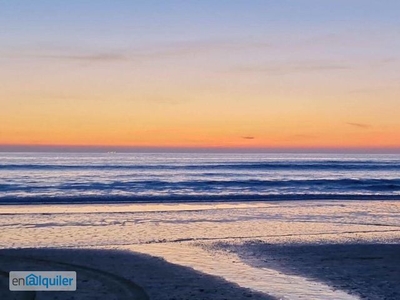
181, 149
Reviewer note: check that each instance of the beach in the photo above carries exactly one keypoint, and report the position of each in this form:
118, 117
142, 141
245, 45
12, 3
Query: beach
257, 250
199, 150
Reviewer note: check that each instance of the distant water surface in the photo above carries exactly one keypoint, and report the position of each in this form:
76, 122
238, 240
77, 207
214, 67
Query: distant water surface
114, 177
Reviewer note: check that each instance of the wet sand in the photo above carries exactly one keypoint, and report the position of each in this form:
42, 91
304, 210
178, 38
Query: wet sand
369, 271
251, 245
108, 274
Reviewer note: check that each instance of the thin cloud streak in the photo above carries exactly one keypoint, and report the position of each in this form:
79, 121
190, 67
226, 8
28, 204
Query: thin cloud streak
195, 47
101, 57
359, 125
287, 68
151, 52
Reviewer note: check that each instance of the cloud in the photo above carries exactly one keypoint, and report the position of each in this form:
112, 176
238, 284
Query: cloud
359, 125
248, 137
179, 48
388, 60
144, 53
296, 67
95, 57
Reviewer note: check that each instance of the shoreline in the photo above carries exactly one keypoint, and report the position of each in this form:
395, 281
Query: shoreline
137, 207
6, 201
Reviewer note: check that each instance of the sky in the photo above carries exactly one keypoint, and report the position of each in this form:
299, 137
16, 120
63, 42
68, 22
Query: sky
232, 74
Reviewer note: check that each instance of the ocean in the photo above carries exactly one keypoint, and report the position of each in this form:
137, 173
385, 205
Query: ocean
191, 177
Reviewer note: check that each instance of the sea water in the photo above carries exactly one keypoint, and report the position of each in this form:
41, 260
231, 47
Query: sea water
189, 177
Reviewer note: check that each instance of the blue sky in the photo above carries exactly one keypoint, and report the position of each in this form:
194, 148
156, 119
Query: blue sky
289, 73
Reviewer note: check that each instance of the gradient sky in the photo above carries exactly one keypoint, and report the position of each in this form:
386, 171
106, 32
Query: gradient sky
245, 74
